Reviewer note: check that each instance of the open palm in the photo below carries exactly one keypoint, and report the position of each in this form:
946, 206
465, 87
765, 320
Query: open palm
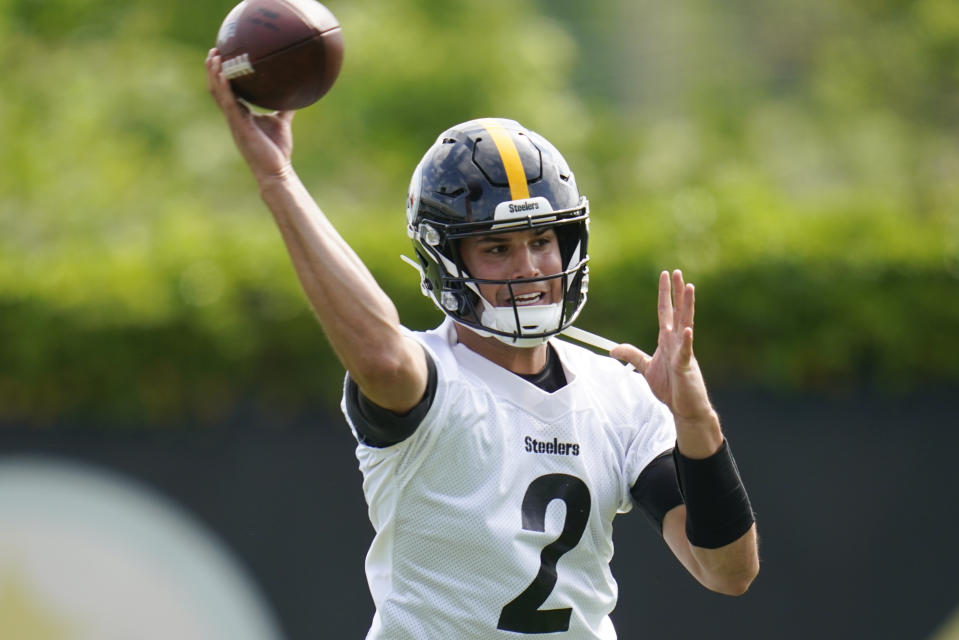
672, 371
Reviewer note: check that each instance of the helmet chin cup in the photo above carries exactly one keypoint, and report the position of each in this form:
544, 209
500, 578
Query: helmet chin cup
538, 319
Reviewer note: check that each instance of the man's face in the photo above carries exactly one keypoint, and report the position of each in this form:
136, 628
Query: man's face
530, 253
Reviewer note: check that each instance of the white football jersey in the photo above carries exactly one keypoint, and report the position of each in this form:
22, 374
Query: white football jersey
495, 517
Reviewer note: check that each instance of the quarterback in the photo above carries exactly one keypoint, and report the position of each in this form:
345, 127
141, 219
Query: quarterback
495, 456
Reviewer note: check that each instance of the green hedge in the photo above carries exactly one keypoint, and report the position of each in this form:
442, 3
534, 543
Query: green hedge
800, 166
776, 324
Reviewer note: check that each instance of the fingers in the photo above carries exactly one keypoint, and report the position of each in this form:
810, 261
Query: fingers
688, 311
677, 301
664, 307
220, 88
634, 356
678, 294
684, 295
686, 347
214, 77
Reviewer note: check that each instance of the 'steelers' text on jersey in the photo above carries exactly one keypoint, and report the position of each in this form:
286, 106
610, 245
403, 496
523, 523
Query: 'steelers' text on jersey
495, 517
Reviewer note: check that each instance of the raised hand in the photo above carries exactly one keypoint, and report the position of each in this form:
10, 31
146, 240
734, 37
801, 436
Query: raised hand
672, 371
264, 139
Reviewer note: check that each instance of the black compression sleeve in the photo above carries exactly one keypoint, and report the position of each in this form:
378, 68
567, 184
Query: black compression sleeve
656, 490
379, 427
718, 511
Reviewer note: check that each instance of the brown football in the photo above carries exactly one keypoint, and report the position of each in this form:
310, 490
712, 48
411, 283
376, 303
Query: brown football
281, 54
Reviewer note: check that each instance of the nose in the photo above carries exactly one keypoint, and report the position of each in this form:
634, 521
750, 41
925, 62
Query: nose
525, 264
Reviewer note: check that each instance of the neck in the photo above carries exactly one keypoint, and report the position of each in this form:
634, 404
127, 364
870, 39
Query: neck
523, 360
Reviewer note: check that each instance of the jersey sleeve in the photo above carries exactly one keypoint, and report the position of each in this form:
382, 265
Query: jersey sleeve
653, 433
387, 468
381, 433
656, 491
379, 427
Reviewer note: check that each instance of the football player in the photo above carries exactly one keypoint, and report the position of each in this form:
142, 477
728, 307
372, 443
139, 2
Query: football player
494, 455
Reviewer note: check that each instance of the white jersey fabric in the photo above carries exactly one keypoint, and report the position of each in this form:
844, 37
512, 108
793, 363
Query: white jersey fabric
494, 518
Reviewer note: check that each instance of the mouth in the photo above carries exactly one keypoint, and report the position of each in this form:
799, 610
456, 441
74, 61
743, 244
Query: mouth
529, 299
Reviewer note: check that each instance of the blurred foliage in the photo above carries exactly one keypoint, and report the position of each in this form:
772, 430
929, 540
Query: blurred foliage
799, 162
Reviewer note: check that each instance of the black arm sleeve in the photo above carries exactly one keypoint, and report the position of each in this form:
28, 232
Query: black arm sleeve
656, 490
718, 510
379, 427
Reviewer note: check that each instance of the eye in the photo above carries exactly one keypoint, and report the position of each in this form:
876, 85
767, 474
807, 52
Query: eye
543, 241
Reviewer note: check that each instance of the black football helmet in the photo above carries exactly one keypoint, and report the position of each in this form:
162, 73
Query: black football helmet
494, 175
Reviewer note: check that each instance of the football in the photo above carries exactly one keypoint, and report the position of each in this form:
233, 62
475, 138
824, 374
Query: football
280, 54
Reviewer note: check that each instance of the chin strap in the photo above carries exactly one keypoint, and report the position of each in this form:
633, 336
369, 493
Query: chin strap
419, 269
592, 339
413, 263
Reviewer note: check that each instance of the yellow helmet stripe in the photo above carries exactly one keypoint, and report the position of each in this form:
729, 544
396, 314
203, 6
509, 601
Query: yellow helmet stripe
508, 153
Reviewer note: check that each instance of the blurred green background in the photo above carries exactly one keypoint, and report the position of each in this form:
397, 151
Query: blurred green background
799, 161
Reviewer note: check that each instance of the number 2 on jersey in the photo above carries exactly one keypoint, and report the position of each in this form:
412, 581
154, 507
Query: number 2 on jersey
523, 614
